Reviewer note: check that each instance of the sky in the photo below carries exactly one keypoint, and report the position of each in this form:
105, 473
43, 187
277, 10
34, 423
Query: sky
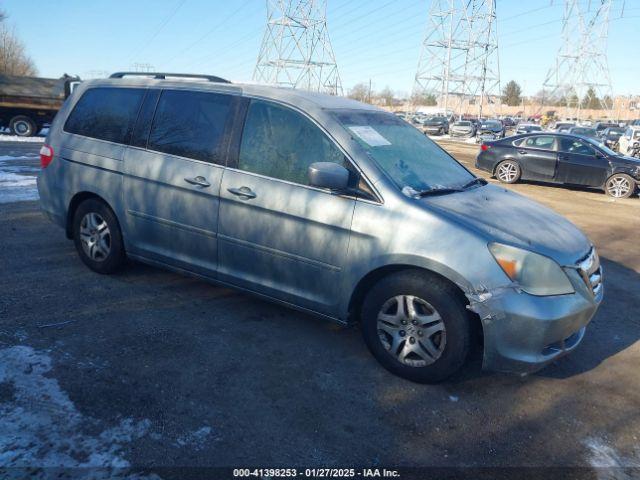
377, 40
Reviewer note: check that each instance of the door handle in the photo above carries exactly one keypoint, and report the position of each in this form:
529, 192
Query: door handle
198, 181
244, 192
523, 152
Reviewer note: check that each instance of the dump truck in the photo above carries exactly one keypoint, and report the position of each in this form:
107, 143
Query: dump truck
27, 104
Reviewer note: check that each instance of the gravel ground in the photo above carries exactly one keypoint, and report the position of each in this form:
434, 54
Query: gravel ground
151, 369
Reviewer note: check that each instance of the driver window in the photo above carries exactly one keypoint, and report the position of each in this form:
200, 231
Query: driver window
281, 143
575, 146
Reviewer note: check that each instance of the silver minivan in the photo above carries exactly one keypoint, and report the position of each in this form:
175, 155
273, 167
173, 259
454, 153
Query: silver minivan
323, 204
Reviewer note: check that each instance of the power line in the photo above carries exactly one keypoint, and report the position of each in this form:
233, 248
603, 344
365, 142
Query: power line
163, 24
208, 32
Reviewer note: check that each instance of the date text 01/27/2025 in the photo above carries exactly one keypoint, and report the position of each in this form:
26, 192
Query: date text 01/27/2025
316, 473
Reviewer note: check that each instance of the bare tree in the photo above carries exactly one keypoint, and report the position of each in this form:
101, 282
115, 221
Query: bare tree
13, 58
360, 92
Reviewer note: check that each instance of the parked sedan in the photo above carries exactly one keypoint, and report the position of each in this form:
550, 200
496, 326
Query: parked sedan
560, 158
462, 128
585, 131
610, 136
490, 130
436, 126
527, 128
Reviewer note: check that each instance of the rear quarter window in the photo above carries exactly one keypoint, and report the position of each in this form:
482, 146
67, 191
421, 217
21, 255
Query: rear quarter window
106, 113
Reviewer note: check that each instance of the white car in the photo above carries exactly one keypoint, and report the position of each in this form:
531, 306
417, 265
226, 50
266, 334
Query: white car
629, 138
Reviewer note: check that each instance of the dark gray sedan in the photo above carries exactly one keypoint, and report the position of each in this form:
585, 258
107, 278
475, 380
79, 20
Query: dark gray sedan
560, 158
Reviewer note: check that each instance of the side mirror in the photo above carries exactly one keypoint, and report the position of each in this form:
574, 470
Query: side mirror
328, 175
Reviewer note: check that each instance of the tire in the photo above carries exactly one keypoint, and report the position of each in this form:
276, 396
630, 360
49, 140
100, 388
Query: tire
508, 171
22, 126
428, 358
620, 185
95, 224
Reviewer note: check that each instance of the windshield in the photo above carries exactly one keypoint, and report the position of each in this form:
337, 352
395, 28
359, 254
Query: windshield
491, 125
408, 157
462, 124
601, 146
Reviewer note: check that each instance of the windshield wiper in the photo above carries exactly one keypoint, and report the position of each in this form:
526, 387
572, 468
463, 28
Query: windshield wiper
475, 181
437, 191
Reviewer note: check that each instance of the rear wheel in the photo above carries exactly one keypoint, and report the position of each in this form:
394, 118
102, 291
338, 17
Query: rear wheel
620, 185
508, 171
97, 237
417, 326
22, 126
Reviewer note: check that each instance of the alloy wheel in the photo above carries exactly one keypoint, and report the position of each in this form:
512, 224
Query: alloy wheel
95, 237
507, 172
618, 186
411, 330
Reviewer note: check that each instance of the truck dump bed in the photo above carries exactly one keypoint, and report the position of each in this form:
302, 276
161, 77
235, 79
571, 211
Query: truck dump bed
31, 92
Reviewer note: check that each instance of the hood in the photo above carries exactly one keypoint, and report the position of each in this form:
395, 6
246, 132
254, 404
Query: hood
490, 129
507, 217
462, 127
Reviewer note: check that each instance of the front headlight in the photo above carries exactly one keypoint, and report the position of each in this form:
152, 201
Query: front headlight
536, 274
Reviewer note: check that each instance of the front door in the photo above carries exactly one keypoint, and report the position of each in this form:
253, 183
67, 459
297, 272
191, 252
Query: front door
277, 235
538, 157
579, 163
172, 178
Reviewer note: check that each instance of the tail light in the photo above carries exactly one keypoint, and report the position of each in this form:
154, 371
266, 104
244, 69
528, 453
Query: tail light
484, 147
46, 155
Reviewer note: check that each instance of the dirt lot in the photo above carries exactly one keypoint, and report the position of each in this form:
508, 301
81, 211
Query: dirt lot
150, 369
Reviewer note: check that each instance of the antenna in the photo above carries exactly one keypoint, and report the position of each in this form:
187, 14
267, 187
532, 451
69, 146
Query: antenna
458, 63
296, 51
580, 76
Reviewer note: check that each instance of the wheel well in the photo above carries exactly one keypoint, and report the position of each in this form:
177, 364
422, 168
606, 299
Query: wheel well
77, 199
371, 278
365, 284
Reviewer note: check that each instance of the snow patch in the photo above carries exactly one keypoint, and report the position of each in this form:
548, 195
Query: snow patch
39, 412
610, 464
8, 179
16, 138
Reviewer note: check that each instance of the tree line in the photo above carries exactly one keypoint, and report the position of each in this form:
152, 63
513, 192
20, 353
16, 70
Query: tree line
511, 96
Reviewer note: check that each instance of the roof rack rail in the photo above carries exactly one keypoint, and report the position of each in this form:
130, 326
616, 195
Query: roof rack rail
163, 76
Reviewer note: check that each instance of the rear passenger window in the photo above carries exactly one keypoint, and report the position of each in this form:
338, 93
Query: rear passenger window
190, 124
543, 142
280, 143
106, 113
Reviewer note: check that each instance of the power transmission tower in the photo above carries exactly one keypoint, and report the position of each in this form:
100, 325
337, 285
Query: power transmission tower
580, 77
142, 67
296, 51
458, 63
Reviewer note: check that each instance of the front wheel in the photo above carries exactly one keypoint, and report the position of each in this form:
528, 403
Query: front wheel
508, 171
620, 185
416, 325
97, 237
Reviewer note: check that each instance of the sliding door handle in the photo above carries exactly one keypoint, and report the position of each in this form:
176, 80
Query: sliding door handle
198, 181
244, 192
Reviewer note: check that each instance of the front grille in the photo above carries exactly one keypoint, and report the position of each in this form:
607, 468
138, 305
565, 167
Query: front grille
591, 272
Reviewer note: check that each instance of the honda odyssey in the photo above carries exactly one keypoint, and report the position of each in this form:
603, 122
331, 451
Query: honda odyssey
323, 204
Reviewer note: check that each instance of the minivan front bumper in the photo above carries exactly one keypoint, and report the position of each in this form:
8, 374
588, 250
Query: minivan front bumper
523, 333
